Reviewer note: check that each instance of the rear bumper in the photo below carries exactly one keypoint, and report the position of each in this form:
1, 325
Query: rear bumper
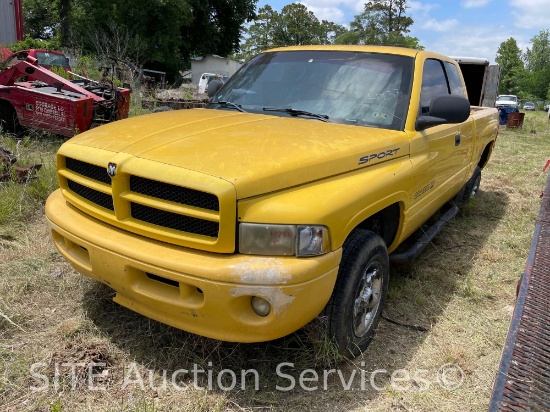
204, 293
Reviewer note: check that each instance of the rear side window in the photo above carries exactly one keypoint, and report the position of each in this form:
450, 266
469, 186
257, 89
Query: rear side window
434, 83
439, 78
454, 79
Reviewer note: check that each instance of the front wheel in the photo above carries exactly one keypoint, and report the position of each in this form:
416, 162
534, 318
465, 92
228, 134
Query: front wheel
355, 306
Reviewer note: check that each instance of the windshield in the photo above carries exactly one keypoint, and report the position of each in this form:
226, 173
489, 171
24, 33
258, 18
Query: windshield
51, 59
507, 98
364, 89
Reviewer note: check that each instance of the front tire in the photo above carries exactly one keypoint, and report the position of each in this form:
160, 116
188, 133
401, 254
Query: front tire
355, 306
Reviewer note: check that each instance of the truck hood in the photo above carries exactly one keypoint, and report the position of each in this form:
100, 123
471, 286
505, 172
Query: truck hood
256, 153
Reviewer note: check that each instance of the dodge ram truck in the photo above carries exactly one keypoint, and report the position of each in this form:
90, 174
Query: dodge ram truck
285, 199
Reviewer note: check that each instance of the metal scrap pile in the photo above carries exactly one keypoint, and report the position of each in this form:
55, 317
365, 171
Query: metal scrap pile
8, 170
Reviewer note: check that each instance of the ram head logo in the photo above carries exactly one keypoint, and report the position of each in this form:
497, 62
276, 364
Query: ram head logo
111, 169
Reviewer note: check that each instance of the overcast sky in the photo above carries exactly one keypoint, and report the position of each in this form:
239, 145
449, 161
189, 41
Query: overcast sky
473, 28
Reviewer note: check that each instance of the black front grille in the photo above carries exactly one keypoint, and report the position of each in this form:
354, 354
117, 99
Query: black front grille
175, 221
86, 169
173, 193
99, 198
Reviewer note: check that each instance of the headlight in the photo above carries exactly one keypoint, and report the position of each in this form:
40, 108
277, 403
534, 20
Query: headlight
283, 240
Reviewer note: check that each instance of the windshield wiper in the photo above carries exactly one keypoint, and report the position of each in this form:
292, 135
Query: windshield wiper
296, 112
230, 104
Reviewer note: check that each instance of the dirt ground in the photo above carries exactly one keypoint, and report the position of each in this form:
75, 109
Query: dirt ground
65, 346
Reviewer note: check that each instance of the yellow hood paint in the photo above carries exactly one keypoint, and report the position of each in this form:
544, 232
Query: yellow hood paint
256, 153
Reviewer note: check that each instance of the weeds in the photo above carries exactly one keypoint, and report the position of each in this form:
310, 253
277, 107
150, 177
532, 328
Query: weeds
56, 406
461, 289
20, 202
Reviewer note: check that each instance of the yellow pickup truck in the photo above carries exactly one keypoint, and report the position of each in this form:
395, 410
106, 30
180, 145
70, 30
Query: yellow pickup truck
282, 200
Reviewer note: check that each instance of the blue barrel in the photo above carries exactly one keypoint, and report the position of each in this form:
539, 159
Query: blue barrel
503, 114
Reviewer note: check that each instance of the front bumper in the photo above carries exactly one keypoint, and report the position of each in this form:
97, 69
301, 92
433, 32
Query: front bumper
204, 293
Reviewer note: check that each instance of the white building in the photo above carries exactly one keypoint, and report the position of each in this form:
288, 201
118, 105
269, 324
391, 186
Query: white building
212, 63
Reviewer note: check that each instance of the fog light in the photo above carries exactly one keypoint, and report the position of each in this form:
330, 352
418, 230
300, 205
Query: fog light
260, 306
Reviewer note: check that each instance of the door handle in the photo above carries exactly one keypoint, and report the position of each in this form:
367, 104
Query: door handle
457, 140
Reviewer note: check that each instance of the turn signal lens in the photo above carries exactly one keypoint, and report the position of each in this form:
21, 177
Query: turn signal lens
312, 241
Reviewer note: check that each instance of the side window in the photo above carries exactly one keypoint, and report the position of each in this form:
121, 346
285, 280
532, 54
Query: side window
434, 83
454, 79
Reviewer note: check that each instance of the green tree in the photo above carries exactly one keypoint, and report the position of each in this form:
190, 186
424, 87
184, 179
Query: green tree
168, 31
216, 26
63, 13
389, 16
329, 32
538, 56
512, 71
261, 33
30, 43
383, 22
295, 25
537, 63
41, 19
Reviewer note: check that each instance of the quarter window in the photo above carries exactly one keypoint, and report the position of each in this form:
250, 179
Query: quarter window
434, 83
454, 79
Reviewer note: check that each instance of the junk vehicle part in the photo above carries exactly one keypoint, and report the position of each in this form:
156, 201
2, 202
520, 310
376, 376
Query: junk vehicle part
9, 171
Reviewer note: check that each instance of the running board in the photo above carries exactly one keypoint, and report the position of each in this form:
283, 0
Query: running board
425, 239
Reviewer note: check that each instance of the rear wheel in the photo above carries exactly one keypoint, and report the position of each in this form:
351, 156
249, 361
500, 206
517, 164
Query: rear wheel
356, 303
470, 189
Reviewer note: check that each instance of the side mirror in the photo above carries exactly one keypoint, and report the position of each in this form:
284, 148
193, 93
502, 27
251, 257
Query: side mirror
213, 87
443, 110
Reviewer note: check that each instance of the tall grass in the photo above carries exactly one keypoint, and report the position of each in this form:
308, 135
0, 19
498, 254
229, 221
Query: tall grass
461, 289
20, 202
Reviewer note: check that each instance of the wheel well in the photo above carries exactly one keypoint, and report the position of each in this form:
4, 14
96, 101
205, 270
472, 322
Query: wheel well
6, 104
8, 117
485, 155
6, 111
384, 223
